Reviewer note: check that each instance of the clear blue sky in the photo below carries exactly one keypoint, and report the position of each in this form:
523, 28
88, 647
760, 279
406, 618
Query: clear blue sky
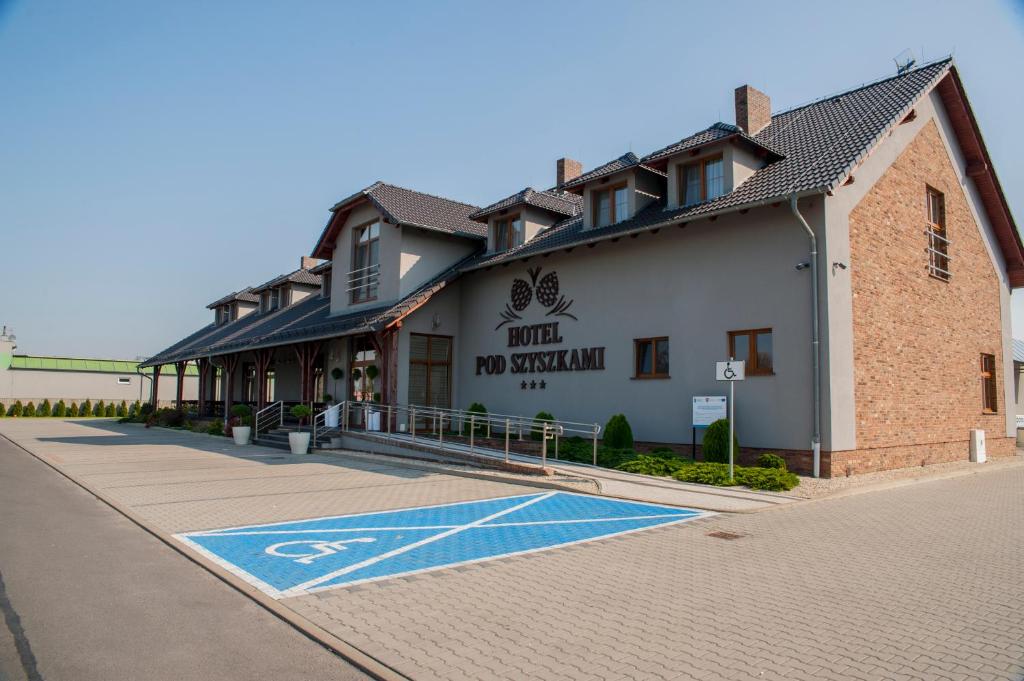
155, 156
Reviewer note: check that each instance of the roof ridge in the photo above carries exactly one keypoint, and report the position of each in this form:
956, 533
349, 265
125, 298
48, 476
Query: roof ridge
433, 196
862, 86
87, 359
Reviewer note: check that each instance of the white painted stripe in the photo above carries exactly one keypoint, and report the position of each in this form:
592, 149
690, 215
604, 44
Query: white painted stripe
409, 547
290, 592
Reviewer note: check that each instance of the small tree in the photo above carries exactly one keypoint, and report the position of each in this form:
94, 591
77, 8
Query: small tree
86, 408
73, 411
3, 410
110, 410
241, 415
99, 408
301, 412
537, 432
45, 409
16, 409
61, 410
481, 427
122, 409
715, 445
617, 433
30, 410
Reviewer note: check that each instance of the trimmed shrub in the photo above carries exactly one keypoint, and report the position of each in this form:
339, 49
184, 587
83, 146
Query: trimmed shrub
99, 408
769, 460
773, 479
73, 411
481, 428
241, 410
30, 410
302, 412
110, 410
716, 442
617, 433
3, 410
146, 409
216, 428
536, 432
609, 457
60, 411
16, 409
45, 409
576, 449
167, 417
122, 409
705, 474
663, 452
86, 408
653, 465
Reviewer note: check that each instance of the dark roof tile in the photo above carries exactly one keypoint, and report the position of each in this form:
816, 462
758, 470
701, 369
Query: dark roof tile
560, 203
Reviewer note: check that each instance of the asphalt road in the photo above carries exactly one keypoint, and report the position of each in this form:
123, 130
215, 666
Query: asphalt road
87, 595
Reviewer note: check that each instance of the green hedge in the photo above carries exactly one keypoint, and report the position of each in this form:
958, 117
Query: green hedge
769, 460
772, 479
653, 465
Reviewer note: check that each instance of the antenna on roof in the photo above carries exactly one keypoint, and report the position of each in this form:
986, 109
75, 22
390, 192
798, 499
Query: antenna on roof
904, 61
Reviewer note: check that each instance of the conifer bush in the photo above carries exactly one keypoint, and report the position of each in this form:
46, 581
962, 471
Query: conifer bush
99, 408
481, 427
45, 409
30, 410
715, 445
122, 409
537, 432
73, 410
16, 409
86, 408
3, 410
769, 460
617, 433
60, 410
110, 410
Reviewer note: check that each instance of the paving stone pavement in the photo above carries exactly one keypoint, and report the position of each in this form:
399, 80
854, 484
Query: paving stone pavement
916, 582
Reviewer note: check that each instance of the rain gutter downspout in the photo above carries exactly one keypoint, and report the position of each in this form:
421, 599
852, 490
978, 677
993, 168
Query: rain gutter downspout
815, 336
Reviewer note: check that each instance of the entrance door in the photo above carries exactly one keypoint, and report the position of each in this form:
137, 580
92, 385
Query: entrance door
364, 373
430, 370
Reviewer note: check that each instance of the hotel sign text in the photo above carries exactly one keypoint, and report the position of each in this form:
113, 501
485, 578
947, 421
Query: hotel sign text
539, 361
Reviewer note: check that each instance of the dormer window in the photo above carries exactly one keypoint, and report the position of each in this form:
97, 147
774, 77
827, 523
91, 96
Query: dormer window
509, 233
275, 298
702, 181
610, 205
325, 284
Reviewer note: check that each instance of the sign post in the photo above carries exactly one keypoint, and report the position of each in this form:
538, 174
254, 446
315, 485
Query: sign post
731, 371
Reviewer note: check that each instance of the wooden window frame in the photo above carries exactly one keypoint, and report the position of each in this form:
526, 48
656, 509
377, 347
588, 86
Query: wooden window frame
428, 362
271, 305
505, 223
752, 369
702, 164
360, 294
989, 385
938, 238
653, 374
594, 210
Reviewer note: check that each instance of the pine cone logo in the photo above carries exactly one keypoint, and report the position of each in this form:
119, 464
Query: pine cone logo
547, 289
522, 294
546, 292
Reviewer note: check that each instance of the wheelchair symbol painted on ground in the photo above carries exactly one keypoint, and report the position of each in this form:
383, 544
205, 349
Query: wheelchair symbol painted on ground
320, 548
299, 557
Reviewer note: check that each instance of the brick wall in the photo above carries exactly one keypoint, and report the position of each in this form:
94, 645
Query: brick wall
917, 339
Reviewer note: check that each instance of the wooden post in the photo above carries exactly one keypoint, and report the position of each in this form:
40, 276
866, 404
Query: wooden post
203, 365
229, 362
156, 387
180, 367
263, 360
306, 353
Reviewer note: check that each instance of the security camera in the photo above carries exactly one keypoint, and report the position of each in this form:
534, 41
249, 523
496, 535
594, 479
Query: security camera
802, 266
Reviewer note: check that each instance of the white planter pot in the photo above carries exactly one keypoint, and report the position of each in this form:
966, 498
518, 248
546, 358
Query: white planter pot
241, 434
331, 417
299, 442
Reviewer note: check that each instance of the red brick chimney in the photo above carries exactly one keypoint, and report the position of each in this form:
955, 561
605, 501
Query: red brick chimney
567, 170
753, 109
307, 262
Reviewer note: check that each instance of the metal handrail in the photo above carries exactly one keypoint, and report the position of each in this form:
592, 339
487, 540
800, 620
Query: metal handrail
268, 415
403, 418
364, 277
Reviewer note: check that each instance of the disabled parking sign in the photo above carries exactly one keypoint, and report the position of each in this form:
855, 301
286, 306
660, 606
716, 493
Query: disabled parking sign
294, 558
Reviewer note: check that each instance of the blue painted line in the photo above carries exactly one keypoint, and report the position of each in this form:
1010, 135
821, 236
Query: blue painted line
292, 558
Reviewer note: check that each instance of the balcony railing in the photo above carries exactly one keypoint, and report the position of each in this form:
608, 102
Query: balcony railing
362, 282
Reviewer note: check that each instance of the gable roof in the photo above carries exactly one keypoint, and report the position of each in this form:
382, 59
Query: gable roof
624, 162
85, 365
717, 132
551, 200
299, 276
821, 144
245, 295
405, 207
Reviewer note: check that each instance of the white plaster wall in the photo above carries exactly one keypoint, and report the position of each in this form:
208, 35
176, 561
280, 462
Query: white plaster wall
425, 254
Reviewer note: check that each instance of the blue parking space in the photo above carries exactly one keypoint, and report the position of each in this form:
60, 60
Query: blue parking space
292, 558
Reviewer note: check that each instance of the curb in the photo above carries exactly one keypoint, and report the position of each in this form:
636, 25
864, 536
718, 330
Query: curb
350, 653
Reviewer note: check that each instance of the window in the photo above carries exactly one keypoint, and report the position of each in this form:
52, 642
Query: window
509, 233
365, 263
325, 285
702, 181
275, 298
249, 383
754, 347
650, 358
938, 241
430, 370
124, 380
989, 401
610, 205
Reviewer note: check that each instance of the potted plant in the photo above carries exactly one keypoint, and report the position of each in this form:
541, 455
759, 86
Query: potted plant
240, 428
299, 440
